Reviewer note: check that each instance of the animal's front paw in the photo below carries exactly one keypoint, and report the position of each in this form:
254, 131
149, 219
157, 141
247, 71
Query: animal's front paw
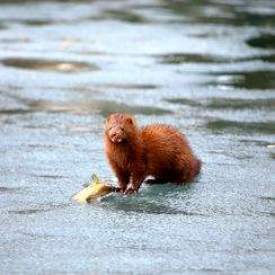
130, 190
120, 189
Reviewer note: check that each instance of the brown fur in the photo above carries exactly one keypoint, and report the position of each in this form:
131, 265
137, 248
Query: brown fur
157, 150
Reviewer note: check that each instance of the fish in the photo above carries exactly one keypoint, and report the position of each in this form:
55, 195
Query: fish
95, 189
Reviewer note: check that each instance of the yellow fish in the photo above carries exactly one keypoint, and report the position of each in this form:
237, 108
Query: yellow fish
94, 190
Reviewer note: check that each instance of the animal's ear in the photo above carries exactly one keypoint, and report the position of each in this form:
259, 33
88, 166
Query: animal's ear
108, 118
106, 121
129, 120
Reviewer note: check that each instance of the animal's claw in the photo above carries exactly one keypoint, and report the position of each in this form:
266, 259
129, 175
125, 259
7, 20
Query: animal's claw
130, 190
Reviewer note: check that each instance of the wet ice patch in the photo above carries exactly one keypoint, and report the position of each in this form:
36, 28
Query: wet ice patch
225, 103
220, 125
251, 80
126, 15
103, 107
179, 58
265, 40
49, 65
38, 209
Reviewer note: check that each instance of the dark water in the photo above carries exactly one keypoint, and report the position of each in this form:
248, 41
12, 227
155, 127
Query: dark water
205, 66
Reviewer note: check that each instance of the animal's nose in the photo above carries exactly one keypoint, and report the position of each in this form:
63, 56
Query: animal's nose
113, 135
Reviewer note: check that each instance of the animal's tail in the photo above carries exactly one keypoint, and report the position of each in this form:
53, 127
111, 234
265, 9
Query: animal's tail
194, 169
197, 166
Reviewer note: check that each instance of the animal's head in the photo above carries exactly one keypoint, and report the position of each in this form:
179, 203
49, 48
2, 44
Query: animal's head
119, 127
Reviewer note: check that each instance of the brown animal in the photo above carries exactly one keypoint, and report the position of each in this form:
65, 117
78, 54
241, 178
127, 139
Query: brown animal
157, 150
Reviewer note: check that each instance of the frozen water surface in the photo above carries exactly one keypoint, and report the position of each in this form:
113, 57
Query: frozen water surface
205, 66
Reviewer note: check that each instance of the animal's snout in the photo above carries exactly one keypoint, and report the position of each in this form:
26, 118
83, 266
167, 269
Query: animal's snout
116, 135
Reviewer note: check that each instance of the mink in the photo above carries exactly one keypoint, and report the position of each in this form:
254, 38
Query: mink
157, 150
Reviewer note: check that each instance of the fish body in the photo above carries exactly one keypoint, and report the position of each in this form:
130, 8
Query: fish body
93, 191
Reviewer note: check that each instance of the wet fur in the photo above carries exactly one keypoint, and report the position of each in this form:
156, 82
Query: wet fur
157, 150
